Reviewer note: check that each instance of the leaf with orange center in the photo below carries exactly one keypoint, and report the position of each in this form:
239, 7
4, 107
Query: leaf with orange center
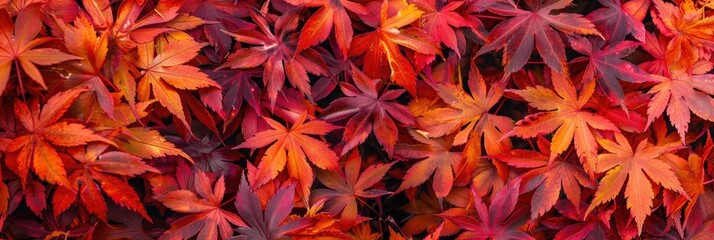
563, 110
691, 30
469, 115
292, 147
345, 190
18, 47
641, 167
681, 93
36, 148
101, 171
382, 46
206, 217
165, 74
436, 158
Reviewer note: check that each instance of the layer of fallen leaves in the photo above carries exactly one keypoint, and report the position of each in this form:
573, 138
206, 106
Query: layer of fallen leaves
364, 119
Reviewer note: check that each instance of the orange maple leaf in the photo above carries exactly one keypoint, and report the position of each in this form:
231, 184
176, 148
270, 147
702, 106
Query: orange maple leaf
292, 146
564, 112
383, 43
631, 164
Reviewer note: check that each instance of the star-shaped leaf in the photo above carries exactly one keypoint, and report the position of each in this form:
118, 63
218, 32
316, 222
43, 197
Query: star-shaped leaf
563, 110
519, 33
436, 158
382, 46
606, 65
292, 147
18, 46
165, 73
268, 224
206, 218
640, 166
344, 190
371, 112
44, 131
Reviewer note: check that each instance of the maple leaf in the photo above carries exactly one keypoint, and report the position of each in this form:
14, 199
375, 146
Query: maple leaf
690, 29
331, 13
223, 14
605, 64
679, 94
468, 114
383, 44
438, 159
564, 112
616, 22
102, 167
631, 164
81, 40
346, 190
35, 148
268, 224
656, 46
276, 54
501, 220
206, 218
292, 146
371, 112
547, 180
627, 117
237, 88
128, 28
147, 143
441, 22
425, 211
592, 226
18, 46
166, 75
518, 34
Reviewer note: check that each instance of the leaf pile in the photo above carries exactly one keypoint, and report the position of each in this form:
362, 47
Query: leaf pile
345, 119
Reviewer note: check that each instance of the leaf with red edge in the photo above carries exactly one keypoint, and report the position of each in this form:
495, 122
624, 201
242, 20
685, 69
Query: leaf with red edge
626, 163
547, 178
615, 22
37, 147
382, 46
605, 64
332, 13
690, 30
469, 116
166, 75
500, 220
519, 33
19, 46
291, 147
344, 190
370, 111
563, 111
203, 206
443, 23
101, 171
438, 159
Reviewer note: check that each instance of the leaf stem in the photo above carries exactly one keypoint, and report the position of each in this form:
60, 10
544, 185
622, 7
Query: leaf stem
489, 17
19, 80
